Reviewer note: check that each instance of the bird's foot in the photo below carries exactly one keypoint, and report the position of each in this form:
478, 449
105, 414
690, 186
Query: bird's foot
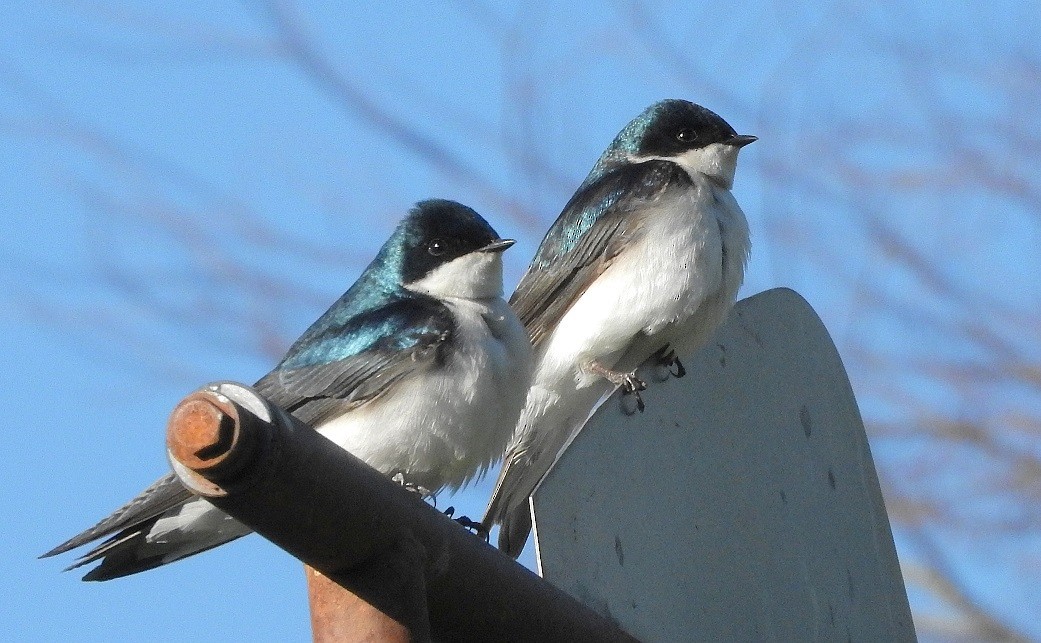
478, 528
422, 491
628, 382
669, 359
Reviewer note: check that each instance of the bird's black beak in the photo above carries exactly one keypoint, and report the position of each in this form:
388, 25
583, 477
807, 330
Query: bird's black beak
497, 246
740, 140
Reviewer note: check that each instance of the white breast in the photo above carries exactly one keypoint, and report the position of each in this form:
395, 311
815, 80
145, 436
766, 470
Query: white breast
674, 285
446, 425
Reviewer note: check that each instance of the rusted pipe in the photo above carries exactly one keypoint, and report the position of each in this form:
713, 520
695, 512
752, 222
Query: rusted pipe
363, 531
337, 614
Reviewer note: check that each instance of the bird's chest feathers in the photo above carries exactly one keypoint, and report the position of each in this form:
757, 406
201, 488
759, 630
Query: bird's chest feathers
683, 268
691, 246
476, 345
446, 421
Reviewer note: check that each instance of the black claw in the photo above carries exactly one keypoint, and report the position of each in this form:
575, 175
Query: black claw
635, 392
477, 527
669, 359
412, 487
680, 371
633, 384
466, 523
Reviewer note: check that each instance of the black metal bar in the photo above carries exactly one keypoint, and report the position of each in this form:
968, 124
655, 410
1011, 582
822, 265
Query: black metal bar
362, 530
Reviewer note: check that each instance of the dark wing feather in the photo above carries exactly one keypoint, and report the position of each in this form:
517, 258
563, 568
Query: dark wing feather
165, 494
127, 553
342, 365
356, 362
596, 224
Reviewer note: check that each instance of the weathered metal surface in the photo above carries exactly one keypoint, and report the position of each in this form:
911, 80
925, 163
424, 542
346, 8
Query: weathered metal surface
742, 505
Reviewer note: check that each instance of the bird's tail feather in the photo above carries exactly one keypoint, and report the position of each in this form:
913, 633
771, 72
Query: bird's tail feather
162, 496
123, 555
548, 424
150, 531
513, 531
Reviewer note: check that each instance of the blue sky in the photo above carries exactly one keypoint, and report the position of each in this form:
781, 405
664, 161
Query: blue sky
182, 195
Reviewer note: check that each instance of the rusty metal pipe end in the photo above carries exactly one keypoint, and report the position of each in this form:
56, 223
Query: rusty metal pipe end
206, 443
202, 431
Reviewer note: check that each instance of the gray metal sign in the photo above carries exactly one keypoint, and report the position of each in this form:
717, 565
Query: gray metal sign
742, 505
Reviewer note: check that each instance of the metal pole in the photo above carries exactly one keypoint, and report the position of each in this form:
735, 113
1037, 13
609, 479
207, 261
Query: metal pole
410, 572
337, 614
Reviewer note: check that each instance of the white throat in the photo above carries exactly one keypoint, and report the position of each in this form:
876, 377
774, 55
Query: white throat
477, 275
716, 161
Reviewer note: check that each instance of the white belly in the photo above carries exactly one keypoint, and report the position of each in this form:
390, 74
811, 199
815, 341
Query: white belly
445, 425
674, 285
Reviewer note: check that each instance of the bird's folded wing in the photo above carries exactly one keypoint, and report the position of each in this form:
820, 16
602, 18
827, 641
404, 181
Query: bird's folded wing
327, 377
596, 224
330, 375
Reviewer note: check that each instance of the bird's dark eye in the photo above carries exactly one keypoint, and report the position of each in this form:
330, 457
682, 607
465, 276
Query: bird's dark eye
686, 135
437, 247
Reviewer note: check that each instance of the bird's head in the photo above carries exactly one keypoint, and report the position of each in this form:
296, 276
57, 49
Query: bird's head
689, 135
445, 249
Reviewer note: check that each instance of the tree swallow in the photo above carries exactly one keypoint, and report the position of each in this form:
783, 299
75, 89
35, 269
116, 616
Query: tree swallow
644, 263
419, 369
